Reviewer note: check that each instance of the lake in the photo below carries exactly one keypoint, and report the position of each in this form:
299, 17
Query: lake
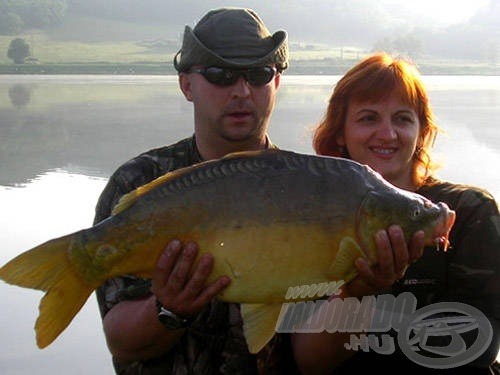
62, 136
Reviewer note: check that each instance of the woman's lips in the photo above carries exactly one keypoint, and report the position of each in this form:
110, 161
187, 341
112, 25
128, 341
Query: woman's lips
384, 152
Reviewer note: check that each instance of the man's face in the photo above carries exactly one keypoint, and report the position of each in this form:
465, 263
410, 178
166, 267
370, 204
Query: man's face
235, 112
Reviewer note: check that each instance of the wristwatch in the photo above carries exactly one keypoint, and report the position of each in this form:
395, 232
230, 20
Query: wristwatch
169, 319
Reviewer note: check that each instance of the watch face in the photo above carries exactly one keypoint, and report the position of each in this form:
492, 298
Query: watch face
169, 319
170, 322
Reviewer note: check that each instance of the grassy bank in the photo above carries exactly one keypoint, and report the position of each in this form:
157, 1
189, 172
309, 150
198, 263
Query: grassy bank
301, 67
90, 68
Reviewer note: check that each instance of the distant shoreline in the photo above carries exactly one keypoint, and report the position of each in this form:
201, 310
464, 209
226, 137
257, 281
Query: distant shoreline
296, 68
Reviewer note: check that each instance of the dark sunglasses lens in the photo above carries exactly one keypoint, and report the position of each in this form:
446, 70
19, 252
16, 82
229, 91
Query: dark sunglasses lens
220, 76
260, 76
227, 76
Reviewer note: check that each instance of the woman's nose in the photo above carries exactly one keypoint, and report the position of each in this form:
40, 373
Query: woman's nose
386, 130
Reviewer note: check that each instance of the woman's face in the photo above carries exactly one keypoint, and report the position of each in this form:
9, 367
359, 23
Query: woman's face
384, 136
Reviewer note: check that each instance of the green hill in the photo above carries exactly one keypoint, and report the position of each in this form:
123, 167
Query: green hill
93, 45
103, 41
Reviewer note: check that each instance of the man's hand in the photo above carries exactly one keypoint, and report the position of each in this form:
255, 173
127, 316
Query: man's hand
180, 288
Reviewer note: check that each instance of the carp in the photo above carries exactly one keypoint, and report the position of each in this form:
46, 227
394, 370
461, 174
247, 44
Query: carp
272, 219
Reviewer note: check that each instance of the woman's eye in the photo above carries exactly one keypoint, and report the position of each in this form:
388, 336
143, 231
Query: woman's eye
367, 118
405, 119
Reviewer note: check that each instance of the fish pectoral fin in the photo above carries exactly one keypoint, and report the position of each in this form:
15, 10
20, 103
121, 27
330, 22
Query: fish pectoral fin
342, 267
259, 324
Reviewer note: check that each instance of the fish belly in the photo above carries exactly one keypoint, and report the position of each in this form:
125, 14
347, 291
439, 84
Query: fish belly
263, 262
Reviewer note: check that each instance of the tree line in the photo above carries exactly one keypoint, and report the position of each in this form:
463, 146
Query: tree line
19, 15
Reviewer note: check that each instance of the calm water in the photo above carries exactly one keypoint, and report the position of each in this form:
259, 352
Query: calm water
62, 136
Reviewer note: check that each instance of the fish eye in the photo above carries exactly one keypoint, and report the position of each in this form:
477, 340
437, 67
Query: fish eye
415, 212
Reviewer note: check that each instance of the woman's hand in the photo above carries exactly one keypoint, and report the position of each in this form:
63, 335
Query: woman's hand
393, 258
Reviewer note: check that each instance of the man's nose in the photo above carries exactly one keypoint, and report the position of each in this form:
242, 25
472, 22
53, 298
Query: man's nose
241, 87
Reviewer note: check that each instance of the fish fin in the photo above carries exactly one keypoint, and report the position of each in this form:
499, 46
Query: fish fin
342, 267
129, 199
126, 201
47, 268
259, 324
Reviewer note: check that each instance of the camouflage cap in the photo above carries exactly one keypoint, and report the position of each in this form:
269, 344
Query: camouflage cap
232, 37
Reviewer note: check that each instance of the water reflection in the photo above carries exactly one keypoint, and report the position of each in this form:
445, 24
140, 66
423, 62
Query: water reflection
53, 204
91, 124
76, 126
20, 95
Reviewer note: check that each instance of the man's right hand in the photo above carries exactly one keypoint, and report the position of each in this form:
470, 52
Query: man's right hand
181, 285
132, 328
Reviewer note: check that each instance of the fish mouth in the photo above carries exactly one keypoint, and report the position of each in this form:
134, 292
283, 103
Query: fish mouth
446, 220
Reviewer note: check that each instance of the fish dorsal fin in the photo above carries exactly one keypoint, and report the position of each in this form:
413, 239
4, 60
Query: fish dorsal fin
343, 267
129, 199
125, 202
259, 324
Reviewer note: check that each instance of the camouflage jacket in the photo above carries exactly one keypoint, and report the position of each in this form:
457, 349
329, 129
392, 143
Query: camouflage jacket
214, 343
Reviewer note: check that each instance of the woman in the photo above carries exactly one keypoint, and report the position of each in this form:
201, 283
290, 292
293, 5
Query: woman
379, 114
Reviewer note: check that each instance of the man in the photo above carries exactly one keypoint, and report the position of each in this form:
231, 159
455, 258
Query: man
229, 67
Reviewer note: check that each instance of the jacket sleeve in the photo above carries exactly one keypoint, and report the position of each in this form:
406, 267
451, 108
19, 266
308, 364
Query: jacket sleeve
474, 270
128, 177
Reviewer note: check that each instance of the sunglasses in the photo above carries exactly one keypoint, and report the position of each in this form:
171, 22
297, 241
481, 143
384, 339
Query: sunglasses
228, 76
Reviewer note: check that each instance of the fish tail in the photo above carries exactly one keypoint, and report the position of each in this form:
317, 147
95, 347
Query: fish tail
47, 268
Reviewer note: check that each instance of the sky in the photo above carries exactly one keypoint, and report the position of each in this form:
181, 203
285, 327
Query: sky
448, 11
